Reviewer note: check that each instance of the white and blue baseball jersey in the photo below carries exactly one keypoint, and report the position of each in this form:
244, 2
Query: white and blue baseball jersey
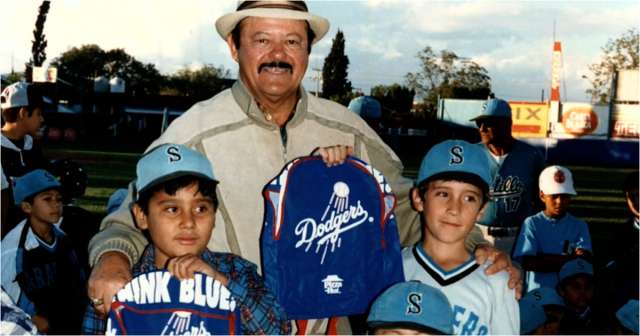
514, 186
329, 243
481, 304
156, 303
544, 235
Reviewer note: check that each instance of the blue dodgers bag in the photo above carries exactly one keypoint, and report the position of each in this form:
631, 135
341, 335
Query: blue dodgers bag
156, 303
329, 242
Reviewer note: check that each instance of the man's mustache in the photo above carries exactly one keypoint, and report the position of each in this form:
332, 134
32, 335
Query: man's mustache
276, 64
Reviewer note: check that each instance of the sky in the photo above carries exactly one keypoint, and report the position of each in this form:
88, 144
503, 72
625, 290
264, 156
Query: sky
513, 40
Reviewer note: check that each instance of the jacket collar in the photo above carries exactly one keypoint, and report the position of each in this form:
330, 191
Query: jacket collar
251, 109
28, 143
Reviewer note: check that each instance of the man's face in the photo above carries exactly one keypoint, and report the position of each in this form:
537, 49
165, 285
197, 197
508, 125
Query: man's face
179, 224
493, 130
272, 56
449, 208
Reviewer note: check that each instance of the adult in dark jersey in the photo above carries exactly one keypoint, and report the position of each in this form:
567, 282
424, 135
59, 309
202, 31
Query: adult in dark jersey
21, 105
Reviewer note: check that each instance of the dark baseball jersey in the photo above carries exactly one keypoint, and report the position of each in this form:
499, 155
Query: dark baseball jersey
156, 303
514, 188
329, 242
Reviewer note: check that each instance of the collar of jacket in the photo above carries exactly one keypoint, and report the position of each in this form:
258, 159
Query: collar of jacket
250, 107
28, 143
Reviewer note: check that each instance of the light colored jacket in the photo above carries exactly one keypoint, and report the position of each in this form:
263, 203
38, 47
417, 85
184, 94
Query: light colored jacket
247, 151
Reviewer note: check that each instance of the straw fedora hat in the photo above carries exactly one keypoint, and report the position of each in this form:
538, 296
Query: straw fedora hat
279, 9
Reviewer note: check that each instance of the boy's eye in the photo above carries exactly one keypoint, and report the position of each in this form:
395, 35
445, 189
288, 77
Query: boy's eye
171, 210
202, 209
470, 198
442, 193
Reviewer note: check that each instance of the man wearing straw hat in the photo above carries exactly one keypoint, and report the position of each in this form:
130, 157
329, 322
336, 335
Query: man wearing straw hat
249, 132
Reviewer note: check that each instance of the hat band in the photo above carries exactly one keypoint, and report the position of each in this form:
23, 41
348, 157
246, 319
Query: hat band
292, 5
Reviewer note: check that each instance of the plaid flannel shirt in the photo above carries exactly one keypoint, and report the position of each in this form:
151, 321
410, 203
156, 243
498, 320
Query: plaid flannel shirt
260, 312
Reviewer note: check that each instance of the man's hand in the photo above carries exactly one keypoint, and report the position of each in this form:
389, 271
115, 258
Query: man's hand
333, 155
110, 274
41, 323
500, 262
184, 267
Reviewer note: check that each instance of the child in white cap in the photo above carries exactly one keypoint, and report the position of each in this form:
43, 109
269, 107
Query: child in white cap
553, 236
21, 105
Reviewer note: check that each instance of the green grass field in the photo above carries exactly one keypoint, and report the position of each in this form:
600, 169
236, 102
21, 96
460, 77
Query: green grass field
599, 202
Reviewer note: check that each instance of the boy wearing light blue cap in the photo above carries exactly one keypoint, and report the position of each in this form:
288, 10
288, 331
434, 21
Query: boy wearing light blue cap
552, 304
411, 307
628, 318
451, 193
576, 287
175, 203
40, 267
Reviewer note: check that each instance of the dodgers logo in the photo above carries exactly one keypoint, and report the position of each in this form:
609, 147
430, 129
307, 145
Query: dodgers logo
339, 217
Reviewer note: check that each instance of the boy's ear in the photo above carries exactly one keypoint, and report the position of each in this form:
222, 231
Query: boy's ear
416, 200
23, 113
482, 210
140, 217
541, 196
26, 207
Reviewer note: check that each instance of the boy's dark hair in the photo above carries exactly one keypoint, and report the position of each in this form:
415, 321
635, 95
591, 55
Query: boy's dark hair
205, 186
235, 35
459, 177
34, 95
30, 198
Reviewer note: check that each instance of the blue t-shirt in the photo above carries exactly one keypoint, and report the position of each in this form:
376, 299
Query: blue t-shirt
544, 235
329, 243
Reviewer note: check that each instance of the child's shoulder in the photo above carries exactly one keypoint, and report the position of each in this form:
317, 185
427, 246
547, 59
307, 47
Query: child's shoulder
498, 280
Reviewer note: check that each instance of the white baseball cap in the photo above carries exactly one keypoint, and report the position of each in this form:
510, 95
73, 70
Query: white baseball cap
14, 95
556, 180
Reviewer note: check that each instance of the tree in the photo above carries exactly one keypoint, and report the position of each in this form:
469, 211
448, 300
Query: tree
39, 43
448, 76
80, 66
618, 54
395, 97
335, 85
200, 84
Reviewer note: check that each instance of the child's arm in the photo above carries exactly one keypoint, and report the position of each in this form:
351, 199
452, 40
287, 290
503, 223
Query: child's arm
261, 313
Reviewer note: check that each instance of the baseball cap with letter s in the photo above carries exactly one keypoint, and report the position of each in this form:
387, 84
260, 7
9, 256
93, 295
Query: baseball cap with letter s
455, 156
412, 305
494, 108
170, 161
277, 9
574, 267
32, 183
556, 180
